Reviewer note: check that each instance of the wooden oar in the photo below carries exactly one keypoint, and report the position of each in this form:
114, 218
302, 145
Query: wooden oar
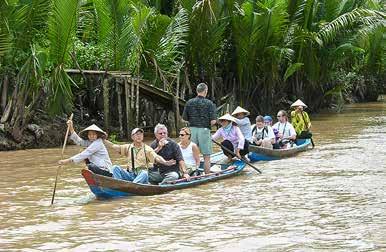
242, 158
312, 142
57, 171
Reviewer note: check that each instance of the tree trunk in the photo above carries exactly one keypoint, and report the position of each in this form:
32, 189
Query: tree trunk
137, 104
187, 82
213, 84
120, 116
177, 116
81, 107
8, 109
106, 109
127, 100
4, 93
132, 104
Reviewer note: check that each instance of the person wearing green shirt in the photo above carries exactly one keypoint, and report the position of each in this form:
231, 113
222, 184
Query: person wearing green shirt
300, 120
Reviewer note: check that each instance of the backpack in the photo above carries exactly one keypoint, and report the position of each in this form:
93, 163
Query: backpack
264, 129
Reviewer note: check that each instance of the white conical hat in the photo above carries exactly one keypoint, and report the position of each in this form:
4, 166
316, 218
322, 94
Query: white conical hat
94, 128
228, 117
298, 103
240, 110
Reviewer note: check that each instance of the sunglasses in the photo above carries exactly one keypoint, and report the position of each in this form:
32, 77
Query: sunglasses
162, 133
184, 134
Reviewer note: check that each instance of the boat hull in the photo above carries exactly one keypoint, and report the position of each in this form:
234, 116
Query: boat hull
106, 187
264, 154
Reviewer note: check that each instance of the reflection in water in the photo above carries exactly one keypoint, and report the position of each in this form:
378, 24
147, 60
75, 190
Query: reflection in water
330, 198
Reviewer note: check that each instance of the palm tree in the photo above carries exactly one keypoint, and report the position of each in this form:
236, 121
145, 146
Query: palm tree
27, 22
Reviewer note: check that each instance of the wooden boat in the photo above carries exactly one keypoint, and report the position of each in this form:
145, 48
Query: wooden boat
264, 154
107, 187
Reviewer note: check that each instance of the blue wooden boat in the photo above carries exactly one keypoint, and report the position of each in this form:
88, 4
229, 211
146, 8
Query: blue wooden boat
106, 187
258, 153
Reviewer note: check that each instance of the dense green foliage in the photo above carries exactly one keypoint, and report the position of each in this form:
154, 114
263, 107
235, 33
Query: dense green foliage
264, 52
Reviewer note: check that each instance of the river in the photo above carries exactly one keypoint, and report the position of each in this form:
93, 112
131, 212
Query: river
331, 198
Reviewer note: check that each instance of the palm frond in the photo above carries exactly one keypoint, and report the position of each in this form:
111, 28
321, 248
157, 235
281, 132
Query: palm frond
292, 69
134, 33
32, 20
61, 32
172, 44
61, 29
356, 17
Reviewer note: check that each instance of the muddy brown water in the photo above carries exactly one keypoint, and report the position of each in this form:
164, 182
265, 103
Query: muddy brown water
332, 198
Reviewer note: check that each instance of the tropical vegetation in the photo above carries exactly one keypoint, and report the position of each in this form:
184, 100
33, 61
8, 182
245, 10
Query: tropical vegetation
259, 53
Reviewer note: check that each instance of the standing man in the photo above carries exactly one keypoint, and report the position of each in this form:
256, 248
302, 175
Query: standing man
201, 115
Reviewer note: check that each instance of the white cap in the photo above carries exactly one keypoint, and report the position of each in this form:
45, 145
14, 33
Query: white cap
134, 131
239, 110
298, 103
228, 117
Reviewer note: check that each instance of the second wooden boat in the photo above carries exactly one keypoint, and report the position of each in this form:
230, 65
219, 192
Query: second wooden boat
264, 154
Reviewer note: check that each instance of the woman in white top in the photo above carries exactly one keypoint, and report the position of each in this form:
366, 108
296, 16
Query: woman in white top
95, 154
286, 131
190, 151
243, 122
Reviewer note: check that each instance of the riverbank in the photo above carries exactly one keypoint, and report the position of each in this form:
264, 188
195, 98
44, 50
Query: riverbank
42, 132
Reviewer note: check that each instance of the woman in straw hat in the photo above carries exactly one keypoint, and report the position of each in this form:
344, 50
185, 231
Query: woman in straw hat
96, 155
300, 120
232, 137
243, 122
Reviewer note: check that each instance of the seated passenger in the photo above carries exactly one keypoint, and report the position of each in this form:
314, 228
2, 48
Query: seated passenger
268, 120
95, 154
168, 149
263, 135
189, 150
232, 137
141, 158
286, 131
300, 120
243, 122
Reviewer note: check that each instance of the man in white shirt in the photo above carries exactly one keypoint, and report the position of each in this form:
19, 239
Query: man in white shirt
286, 131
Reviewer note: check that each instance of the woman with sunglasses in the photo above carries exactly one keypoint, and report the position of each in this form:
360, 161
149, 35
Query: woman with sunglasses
190, 151
286, 131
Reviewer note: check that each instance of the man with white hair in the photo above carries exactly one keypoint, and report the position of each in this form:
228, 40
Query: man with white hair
169, 150
140, 156
201, 115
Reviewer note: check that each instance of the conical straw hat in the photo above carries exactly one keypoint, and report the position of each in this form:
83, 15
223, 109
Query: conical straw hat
94, 128
240, 110
228, 117
298, 103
